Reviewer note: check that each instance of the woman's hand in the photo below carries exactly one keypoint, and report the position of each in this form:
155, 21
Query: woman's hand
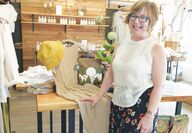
93, 100
146, 123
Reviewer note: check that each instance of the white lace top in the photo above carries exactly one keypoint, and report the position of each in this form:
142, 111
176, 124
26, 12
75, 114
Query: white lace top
132, 69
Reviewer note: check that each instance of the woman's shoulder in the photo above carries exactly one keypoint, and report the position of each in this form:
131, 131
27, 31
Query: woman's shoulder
158, 50
158, 47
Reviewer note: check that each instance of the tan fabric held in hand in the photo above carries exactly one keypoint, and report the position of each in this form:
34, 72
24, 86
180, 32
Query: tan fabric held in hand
95, 119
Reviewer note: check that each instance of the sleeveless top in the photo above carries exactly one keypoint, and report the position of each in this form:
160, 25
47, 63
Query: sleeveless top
132, 70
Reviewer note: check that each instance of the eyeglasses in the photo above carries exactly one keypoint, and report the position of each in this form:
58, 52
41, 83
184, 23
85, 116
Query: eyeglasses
141, 19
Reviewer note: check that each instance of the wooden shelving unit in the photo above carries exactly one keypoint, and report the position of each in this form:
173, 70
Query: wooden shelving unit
54, 15
32, 9
35, 15
27, 22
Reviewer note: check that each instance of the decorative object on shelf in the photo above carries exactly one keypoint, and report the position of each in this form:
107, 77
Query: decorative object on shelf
172, 124
45, 8
51, 7
172, 44
99, 21
48, 7
58, 9
175, 56
81, 11
172, 41
106, 55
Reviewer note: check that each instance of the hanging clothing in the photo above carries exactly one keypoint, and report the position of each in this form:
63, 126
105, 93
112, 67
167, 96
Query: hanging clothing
158, 29
8, 62
1, 121
9, 74
67, 86
9, 13
6, 117
120, 27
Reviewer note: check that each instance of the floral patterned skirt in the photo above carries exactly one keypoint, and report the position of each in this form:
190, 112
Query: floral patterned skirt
126, 119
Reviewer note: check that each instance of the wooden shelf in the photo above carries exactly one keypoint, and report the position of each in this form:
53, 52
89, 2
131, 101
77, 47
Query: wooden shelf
27, 22
54, 15
33, 21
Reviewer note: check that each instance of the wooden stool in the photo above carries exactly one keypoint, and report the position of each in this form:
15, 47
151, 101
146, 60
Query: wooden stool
50, 102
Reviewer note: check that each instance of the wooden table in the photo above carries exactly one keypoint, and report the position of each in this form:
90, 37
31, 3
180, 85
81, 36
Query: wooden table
52, 101
169, 65
182, 93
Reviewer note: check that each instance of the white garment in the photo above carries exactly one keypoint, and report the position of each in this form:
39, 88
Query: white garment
132, 68
8, 12
8, 62
36, 75
158, 29
120, 27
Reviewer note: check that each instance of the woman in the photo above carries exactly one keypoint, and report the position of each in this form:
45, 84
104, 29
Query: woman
138, 73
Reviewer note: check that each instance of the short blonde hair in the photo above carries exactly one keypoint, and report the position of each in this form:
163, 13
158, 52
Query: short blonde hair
151, 9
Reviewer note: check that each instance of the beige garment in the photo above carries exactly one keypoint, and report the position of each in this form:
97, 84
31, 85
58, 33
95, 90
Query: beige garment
96, 118
6, 117
66, 86
1, 121
65, 70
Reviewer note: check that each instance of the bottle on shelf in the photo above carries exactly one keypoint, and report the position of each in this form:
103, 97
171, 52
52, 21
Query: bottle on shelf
39, 19
37, 46
60, 20
49, 20
45, 19
54, 20
80, 21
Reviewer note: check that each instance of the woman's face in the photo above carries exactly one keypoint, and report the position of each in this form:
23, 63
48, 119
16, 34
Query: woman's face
139, 23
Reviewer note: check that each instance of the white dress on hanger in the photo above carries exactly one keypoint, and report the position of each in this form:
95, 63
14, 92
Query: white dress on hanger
9, 74
120, 27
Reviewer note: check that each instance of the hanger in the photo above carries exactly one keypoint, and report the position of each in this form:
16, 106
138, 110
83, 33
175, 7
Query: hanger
119, 6
7, 1
68, 43
123, 8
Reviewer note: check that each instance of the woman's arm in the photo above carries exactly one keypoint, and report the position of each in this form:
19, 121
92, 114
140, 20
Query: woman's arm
107, 81
158, 77
106, 84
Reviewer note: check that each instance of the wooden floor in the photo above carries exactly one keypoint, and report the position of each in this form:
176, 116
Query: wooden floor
24, 117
